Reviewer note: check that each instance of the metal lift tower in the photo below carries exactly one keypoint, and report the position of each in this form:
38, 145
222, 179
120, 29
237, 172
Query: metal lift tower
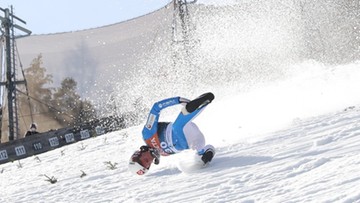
8, 27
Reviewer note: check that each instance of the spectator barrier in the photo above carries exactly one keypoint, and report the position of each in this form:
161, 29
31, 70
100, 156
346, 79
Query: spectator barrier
43, 142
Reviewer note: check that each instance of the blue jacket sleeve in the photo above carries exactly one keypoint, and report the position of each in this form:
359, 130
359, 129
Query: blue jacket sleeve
150, 128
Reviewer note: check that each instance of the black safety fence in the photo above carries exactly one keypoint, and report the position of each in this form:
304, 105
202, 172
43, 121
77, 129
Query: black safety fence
43, 142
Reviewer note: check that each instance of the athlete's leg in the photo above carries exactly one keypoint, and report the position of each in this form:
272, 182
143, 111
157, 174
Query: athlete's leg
183, 132
192, 109
194, 136
178, 135
196, 141
182, 119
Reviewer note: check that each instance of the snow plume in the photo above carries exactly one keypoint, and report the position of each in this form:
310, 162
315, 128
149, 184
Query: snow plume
309, 89
223, 48
254, 49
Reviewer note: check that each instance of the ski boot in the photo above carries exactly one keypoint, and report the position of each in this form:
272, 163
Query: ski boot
207, 156
198, 103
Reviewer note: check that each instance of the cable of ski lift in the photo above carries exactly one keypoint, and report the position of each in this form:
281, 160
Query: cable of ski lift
26, 86
48, 105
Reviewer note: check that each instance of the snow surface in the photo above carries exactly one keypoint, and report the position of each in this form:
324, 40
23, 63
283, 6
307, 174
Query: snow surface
296, 140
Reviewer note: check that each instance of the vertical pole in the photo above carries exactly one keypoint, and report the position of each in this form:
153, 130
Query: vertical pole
10, 84
13, 66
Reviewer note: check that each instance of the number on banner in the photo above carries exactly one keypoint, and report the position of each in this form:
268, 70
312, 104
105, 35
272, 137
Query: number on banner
84, 134
20, 150
3, 155
54, 141
99, 130
37, 146
69, 137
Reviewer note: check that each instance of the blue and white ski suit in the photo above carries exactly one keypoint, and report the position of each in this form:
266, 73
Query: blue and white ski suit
173, 137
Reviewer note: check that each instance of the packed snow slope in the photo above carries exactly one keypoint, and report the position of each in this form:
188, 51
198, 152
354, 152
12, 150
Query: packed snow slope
296, 140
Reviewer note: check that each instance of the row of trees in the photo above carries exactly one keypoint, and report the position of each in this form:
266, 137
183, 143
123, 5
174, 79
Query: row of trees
63, 104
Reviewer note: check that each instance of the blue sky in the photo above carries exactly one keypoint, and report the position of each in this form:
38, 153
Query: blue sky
53, 16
